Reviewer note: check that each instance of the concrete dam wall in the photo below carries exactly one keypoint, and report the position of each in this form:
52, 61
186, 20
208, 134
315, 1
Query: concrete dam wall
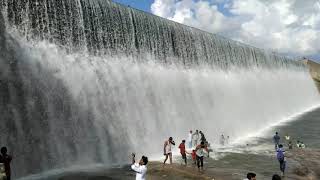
88, 82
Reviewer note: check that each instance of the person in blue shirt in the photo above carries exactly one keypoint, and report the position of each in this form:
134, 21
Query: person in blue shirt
281, 158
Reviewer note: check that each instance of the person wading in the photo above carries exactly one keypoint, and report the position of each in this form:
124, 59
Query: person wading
6, 160
195, 138
167, 150
190, 139
200, 152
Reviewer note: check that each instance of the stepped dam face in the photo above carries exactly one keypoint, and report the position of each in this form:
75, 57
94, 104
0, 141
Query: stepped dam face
90, 81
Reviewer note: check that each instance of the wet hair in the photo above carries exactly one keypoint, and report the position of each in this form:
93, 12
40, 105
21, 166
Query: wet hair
202, 142
251, 175
183, 141
4, 150
276, 177
280, 146
170, 138
276, 132
145, 160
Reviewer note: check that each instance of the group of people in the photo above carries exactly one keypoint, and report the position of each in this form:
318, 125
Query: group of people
5, 160
276, 139
281, 152
224, 140
198, 153
198, 145
195, 138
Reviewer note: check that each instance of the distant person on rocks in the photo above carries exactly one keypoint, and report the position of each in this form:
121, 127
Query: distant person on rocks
281, 158
182, 148
200, 152
195, 138
222, 139
298, 144
190, 139
276, 140
287, 137
140, 168
167, 150
251, 176
290, 145
6, 159
276, 177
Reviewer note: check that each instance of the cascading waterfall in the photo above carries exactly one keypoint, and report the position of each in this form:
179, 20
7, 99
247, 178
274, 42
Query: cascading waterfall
85, 82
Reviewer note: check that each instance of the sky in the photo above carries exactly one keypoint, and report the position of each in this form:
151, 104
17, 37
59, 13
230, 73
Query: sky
289, 27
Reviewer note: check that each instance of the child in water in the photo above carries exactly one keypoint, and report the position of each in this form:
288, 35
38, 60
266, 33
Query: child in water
193, 154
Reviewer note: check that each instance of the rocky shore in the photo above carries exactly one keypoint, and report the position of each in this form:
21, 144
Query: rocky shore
304, 165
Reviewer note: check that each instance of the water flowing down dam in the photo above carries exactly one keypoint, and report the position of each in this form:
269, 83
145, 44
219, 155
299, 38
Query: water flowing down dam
90, 81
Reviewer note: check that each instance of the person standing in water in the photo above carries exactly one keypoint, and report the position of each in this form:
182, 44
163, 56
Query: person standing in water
167, 150
276, 140
222, 139
182, 148
200, 152
202, 137
281, 158
6, 160
227, 140
195, 138
140, 168
190, 139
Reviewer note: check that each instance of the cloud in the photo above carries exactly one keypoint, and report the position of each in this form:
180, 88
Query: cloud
286, 26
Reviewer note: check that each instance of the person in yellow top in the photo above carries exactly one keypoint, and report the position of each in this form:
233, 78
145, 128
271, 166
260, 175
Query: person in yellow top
2, 172
287, 137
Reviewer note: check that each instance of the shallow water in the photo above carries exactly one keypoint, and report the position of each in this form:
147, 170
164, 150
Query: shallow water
258, 156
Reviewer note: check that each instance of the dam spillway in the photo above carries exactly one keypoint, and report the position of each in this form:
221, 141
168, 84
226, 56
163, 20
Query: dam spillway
85, 82
104, 27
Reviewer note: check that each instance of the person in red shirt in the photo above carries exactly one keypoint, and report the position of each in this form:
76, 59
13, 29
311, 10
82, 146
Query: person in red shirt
6, 160
183, 152
194, 156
